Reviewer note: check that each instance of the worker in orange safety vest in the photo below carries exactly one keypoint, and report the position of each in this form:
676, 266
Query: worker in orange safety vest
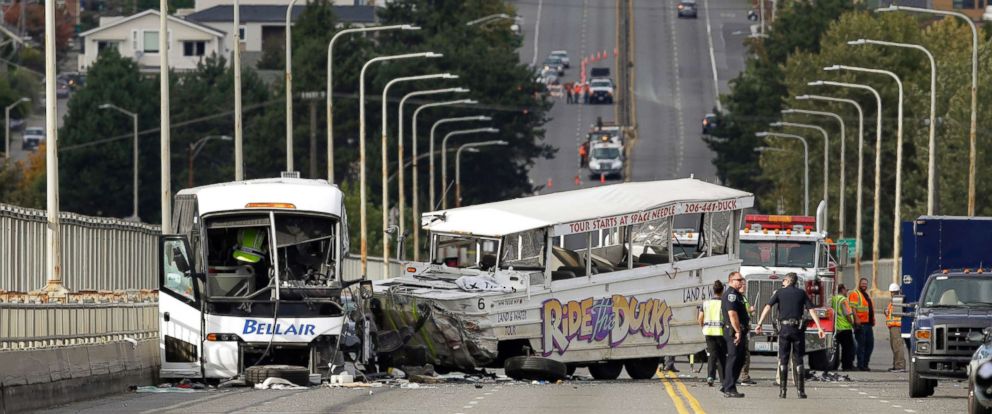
864, 311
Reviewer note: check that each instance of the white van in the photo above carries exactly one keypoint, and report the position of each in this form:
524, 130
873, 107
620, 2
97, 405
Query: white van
251, 277
593, 277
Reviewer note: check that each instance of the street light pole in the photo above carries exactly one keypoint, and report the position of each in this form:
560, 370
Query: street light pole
805, 163
458, 165
6, 137
489, 18
53, 233
826, 162
974, 92
289, 85
931, 161
878, 170
401, 167
861, 142
897, 210
433, 202
134, 184
361, 146
385, 158
239, 167
416, 177
444, 158
843, 138
194, 149
330, 86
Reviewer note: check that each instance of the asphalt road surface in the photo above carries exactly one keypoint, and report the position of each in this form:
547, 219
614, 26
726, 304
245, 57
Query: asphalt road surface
677, 64
876, 392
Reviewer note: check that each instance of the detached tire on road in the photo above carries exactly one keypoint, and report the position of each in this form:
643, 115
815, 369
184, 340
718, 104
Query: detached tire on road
642, 368
293, 373
607, 370
534, 368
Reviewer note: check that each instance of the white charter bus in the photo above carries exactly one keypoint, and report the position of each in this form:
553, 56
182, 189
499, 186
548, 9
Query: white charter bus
593, 277
251, 277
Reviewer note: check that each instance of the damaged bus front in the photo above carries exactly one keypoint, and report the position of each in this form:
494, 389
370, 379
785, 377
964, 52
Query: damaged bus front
251, 277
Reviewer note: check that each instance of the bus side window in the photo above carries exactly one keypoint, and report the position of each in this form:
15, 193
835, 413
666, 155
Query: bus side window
177, 268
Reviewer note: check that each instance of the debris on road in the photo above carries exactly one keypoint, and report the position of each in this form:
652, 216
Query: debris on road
275, 383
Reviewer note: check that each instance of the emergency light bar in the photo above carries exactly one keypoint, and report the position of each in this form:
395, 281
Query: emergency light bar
758, 222
270, 205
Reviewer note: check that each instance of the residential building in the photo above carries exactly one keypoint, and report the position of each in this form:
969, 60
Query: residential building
136, 37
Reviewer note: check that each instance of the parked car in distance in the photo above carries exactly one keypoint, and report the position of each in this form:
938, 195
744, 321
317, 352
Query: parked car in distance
62, 90
601, 90
709, 123
16, 124
988, 14
32, 137
687, 8
554, 62
599, 72
563, 56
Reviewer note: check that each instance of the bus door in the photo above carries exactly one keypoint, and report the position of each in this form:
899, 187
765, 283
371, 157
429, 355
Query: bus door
180, 319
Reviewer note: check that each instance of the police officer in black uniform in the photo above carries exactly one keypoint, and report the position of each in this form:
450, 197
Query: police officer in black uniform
735, 329
792, 303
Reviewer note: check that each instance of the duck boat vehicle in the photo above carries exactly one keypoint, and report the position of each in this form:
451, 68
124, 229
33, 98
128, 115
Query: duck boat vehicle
541, 285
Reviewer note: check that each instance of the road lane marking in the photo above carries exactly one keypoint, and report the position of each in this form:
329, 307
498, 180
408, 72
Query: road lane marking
709, 41
679, 405
537, 32
685, 393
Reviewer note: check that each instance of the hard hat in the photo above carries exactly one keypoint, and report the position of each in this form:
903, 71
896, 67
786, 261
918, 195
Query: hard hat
893, 287
251, 245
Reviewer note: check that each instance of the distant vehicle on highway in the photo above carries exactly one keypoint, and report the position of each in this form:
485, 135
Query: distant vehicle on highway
988, 14
687, 8
16, 124
32, 138
709, 123
554, 62
61, 90
606, 158
599, 72
563, 56
548, 76
601, 90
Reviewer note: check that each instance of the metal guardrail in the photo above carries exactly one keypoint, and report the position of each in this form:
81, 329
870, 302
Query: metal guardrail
33, 326
97, 253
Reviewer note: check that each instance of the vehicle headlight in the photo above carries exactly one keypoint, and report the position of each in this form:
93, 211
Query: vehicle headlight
923, 347
983, 376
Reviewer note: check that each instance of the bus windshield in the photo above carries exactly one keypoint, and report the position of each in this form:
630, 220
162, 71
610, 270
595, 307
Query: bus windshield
778, 253
240, 259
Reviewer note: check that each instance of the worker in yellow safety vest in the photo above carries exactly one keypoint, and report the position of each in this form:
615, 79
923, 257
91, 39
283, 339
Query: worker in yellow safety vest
894, 323
711, 320
864, 311
844, 323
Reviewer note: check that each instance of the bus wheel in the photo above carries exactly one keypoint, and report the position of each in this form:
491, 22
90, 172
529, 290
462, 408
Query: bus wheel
606, 370
296, 374
642, 368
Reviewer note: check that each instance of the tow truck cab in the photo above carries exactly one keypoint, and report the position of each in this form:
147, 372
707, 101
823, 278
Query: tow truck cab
771, 247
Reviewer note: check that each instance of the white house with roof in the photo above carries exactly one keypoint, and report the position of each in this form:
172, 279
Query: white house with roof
136, 36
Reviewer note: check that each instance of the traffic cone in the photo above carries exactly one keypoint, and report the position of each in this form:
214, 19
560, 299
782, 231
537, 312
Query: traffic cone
550, 184
578, 181
605, 55
602, 178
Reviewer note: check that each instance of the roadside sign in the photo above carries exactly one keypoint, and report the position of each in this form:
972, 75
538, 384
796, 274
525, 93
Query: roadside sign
851, 244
